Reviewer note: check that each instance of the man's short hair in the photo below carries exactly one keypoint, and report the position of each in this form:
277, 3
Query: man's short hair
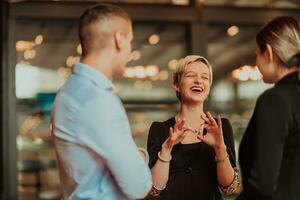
93, 16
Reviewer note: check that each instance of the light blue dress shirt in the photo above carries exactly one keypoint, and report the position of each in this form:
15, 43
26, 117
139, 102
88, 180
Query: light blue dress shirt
97, 157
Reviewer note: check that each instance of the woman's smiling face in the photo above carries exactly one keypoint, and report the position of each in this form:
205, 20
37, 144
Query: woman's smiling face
194, 84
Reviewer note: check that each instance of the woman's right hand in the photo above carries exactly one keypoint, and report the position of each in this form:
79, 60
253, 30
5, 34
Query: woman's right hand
176, 134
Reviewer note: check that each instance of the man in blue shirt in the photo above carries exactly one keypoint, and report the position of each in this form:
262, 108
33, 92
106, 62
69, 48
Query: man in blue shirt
97, 157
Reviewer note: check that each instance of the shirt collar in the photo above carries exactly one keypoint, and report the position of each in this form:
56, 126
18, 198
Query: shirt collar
94, 75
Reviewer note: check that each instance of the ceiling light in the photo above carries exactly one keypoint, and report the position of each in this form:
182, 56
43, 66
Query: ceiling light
154, 39
140, 72
135, 55
163, 75
233, 30
79, 49
38, 39
173, 64
152, 70
24, 45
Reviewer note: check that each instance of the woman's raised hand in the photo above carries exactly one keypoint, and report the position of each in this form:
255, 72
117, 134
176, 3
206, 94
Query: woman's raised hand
214, 135
176, 134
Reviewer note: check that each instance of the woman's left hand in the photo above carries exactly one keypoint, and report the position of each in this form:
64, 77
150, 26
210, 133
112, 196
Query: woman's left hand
214, 136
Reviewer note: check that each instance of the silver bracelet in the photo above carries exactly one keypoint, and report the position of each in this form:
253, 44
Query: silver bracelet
222, 159
162, 159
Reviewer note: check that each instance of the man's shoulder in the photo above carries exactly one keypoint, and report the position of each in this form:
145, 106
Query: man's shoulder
84, 91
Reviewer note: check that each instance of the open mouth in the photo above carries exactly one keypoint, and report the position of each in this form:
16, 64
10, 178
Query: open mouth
197, 89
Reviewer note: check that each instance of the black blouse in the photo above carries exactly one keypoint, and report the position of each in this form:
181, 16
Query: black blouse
193, 173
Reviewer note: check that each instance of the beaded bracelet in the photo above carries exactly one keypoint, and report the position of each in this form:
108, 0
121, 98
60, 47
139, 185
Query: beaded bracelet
156, 191
162, 159
235, 186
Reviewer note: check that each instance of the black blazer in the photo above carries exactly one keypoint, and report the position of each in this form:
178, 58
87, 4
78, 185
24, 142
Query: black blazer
270, 149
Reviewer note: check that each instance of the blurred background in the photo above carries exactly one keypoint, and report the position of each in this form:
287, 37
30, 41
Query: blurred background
39, 46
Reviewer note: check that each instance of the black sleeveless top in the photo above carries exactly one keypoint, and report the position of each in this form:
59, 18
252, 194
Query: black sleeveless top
193, 173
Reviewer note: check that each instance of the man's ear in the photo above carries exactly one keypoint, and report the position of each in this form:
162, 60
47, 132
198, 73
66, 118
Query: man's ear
118, 40
270, 53
175, 85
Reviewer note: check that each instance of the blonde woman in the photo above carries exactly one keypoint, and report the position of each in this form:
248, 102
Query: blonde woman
270, 148
192, 154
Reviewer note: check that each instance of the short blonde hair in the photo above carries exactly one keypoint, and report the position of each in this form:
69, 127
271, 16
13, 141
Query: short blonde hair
184, 62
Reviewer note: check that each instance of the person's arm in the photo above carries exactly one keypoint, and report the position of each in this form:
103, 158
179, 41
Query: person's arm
105, 130
160, 155
271, 121
215, 139
229, 163
158, 168
144, 154
225, 171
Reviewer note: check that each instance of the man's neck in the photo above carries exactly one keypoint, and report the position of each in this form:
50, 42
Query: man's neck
101, 63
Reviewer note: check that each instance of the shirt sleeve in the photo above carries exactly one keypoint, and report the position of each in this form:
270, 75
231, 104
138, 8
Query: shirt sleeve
271, 129
104, 128
153, 144
144, 151
229, 141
